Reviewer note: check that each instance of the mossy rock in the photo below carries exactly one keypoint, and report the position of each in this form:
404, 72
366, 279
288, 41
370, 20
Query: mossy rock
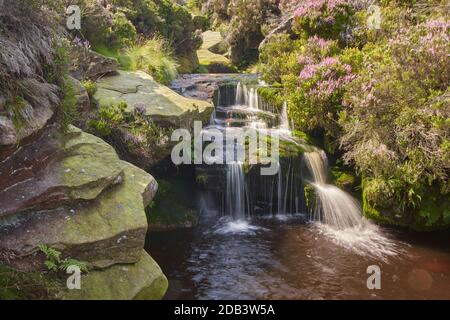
103, 231
142, 280
344, 179
73, 173
163, 105
211, 54
166, 214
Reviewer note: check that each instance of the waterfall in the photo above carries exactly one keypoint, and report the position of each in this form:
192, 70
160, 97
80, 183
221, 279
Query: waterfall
247, 194
240, 94
284, 120
334, 207
235, 192
247, 97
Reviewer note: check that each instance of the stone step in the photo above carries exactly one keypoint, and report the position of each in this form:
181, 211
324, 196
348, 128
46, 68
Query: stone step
56, 172
143, 280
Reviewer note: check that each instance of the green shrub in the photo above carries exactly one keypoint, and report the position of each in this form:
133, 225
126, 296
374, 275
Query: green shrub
107, 118
201, 22
70, 113
91, 87
123, 31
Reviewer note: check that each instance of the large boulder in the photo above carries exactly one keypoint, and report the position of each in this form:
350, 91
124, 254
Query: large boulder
108, 229
87, 64
163, 105
212, 53
55, 170
143, 280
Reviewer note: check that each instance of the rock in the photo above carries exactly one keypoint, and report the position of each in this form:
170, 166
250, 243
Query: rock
211, 54
24, 118
204, 86
164, 106
187, 62
166, 214
8, 134
143, 280
81, 95
214, 42
87, 64
107, 230
61, 179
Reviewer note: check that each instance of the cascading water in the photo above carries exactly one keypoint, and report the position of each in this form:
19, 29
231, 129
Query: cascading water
243, 194
235, 193
284, 120
334, 206
340, 214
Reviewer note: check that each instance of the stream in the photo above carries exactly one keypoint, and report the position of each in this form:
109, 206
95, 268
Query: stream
256, 240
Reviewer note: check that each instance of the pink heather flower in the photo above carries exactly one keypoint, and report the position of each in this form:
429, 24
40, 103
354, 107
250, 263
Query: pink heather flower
437, 24
308, 72
311, 8
322, 43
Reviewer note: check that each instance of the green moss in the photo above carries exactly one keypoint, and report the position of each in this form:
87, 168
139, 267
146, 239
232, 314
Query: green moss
143, 280
310, 196
15, 108
343, 179
272, 95
372, 213
380, 206
174, 205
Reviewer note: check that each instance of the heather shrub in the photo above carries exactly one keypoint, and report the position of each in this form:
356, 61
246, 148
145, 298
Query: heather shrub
396, 123
329, 19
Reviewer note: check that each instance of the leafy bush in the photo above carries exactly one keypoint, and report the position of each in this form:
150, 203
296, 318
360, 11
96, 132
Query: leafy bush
327, 18
396, 125
381, 93
91, 87
123, 30
137, 130
108, 117
68, 105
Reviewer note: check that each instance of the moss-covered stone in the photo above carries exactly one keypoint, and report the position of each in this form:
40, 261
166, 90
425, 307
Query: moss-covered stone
109, 229
173, 207
142, 280
211, 53
344, 179
72, 173
163, 105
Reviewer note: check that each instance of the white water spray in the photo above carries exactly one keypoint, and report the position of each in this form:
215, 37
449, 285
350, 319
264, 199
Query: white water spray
340, 214
235, 193
334, 206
